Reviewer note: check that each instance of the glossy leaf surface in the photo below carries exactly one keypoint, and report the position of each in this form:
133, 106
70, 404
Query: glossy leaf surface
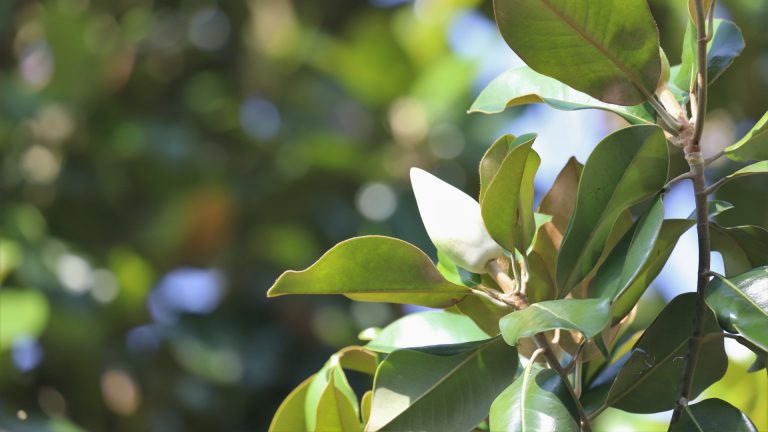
290, 414
373, 268
625, 168
753, 145
608, 49
537, 401
522, 86
411, 386
742, 247
713, 415
753, 169
628, 259
741, 304
426, 329
588, 316
507, 205
625, 300
648, 382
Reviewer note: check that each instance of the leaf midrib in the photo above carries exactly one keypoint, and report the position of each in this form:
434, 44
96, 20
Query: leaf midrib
616, 62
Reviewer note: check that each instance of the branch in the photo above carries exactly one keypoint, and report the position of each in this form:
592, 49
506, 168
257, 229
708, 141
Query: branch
681, 177
521, 302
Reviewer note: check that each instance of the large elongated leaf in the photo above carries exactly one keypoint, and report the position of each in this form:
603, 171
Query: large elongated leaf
330, 403
753, 145
537, 401
625, 300
521, 86
425, 329
373, 268
742, 247
483, 312
558, 202
726, 44
608, 49
625, 168
290, 415
588, 316
753, 169
495, 155
741, 304
507, 205
713, 415
428, 389
649, 381
628, 258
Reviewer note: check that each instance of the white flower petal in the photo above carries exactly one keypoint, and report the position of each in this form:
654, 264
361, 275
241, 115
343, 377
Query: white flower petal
454, 222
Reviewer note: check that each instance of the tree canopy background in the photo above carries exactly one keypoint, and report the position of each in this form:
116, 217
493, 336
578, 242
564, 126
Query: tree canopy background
164, 161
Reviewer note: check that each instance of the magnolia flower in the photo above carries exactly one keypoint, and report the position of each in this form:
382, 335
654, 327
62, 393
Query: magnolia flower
454, 222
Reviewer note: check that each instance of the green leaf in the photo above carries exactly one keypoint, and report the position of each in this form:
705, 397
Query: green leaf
507, 206
558, 202
330, 403
626, 168
627, 260
536, 401
608, 49
494, 156
425, 329
726, 44
290, 413
484, 312
753, 145
671, 230
742, 247
373, 268
365, 406
741, 304
23, 313
588, 316
649, 381
357, 358
522, 86
752, 169
714, 208
454, 273
713, 415
412, 386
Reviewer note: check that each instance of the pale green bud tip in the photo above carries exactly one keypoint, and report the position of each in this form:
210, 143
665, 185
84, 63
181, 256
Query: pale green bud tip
454, 222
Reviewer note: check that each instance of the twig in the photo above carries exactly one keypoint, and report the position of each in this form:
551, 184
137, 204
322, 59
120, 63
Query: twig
681, 177
715, 186
709, 160
507, 285
576, 356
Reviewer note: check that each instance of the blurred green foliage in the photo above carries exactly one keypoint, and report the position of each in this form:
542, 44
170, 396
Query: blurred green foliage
163, 161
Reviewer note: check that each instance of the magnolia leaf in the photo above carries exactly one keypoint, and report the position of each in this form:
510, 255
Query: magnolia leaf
290, 413
608, 49
373, 268
741, 304
649, 380
713, 415
742, 247
507, 206
753, 145
726, 44
626, 168
753, 169
426, 329
588, 316
536, 401
521, 86
412, 385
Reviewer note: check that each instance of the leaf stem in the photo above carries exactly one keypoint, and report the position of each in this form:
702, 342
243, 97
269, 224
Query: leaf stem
520, 301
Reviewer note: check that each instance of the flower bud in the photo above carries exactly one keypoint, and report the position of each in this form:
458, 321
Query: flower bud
454, 222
